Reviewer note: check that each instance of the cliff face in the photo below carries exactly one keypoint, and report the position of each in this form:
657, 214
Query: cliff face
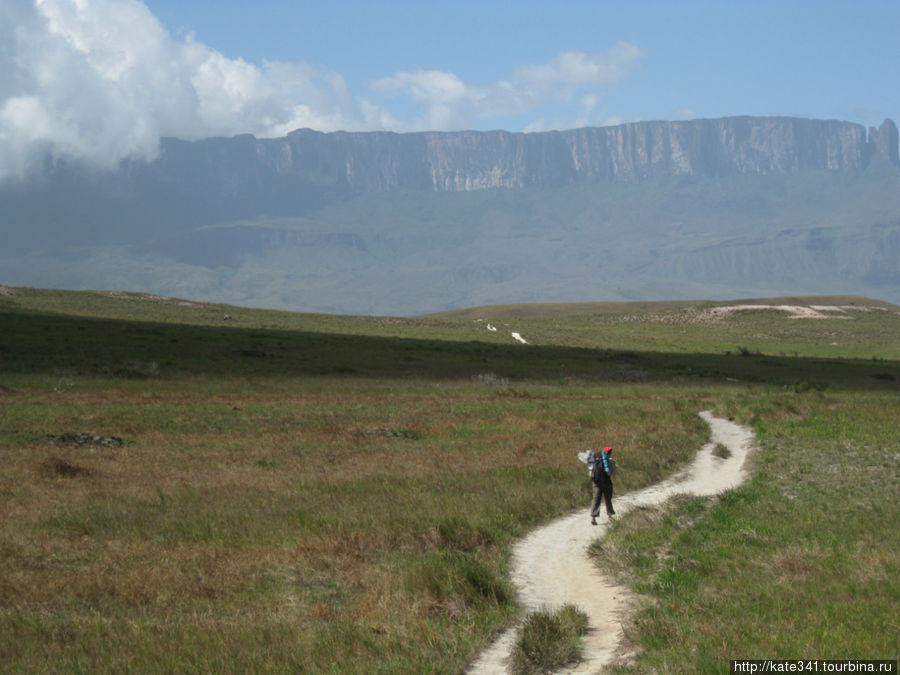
465, 161
741, 145
883, 142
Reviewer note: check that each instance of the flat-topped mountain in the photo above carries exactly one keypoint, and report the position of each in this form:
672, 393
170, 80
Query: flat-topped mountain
377, 222
475, 160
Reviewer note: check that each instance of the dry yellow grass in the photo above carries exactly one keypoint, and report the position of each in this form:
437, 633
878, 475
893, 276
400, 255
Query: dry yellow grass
373, 519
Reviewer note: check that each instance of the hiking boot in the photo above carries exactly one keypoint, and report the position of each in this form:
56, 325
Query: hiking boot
593, 521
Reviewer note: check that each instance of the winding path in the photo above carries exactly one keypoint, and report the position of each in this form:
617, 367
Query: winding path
551, 566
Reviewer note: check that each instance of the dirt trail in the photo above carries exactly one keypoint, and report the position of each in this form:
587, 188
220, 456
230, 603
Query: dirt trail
551, 566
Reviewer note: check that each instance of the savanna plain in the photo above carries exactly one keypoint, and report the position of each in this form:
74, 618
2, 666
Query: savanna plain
189, 487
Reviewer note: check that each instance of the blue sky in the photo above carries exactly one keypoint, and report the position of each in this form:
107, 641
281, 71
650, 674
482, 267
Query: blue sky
101, 80
826, 59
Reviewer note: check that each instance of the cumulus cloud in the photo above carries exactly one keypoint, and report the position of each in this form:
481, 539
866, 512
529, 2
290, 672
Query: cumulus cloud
448, 102
103, 80
589, 113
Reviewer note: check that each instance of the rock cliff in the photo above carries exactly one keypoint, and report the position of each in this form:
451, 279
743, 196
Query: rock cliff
469, 160
883, 142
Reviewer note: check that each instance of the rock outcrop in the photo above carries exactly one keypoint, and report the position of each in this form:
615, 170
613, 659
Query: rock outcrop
883, 142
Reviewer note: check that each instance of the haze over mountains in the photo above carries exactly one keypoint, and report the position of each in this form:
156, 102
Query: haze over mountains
385, 223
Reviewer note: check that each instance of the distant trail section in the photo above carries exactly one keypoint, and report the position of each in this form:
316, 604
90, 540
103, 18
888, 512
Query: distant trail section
551, 566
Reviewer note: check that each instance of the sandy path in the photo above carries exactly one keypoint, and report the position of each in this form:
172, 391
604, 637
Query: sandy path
551, 567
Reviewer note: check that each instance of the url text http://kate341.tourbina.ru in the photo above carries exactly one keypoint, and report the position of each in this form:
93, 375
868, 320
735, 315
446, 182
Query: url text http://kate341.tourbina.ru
813, 666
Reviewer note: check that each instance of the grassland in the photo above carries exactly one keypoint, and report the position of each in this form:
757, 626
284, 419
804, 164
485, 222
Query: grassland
803, 560
340, 494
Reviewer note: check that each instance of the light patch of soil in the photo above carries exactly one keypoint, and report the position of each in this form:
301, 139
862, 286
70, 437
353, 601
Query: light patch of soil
551, 565
147, 297
793, 311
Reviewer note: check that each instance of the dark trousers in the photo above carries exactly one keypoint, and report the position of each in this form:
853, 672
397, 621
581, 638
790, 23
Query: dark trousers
602, 492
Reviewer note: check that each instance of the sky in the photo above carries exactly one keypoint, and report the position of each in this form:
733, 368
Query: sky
102, 80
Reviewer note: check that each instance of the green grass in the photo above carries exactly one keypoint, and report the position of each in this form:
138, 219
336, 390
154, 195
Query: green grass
341, 493
803, 559
63, 334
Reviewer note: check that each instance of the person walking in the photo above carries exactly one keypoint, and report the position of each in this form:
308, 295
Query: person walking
601, 466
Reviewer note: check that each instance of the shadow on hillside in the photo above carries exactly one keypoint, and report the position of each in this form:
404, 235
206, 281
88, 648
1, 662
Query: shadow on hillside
56, 344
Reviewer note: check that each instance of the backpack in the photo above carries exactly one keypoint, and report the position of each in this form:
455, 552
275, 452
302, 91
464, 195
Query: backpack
602, 467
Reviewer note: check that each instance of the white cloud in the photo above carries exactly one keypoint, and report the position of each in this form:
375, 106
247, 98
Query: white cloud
102, 80
450, 103
577, 69
589, 114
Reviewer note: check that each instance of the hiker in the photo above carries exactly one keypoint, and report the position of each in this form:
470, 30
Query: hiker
601, 466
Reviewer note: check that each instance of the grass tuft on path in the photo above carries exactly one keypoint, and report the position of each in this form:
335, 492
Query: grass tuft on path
549, 640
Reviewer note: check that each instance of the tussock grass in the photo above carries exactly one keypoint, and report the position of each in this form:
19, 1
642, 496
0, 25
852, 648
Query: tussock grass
549, 640
721, 451
56, 466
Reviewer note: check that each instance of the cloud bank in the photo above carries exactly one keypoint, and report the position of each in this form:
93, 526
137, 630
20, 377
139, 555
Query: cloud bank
102, 80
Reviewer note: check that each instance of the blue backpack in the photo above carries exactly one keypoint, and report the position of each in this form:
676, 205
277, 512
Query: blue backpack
602, 467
